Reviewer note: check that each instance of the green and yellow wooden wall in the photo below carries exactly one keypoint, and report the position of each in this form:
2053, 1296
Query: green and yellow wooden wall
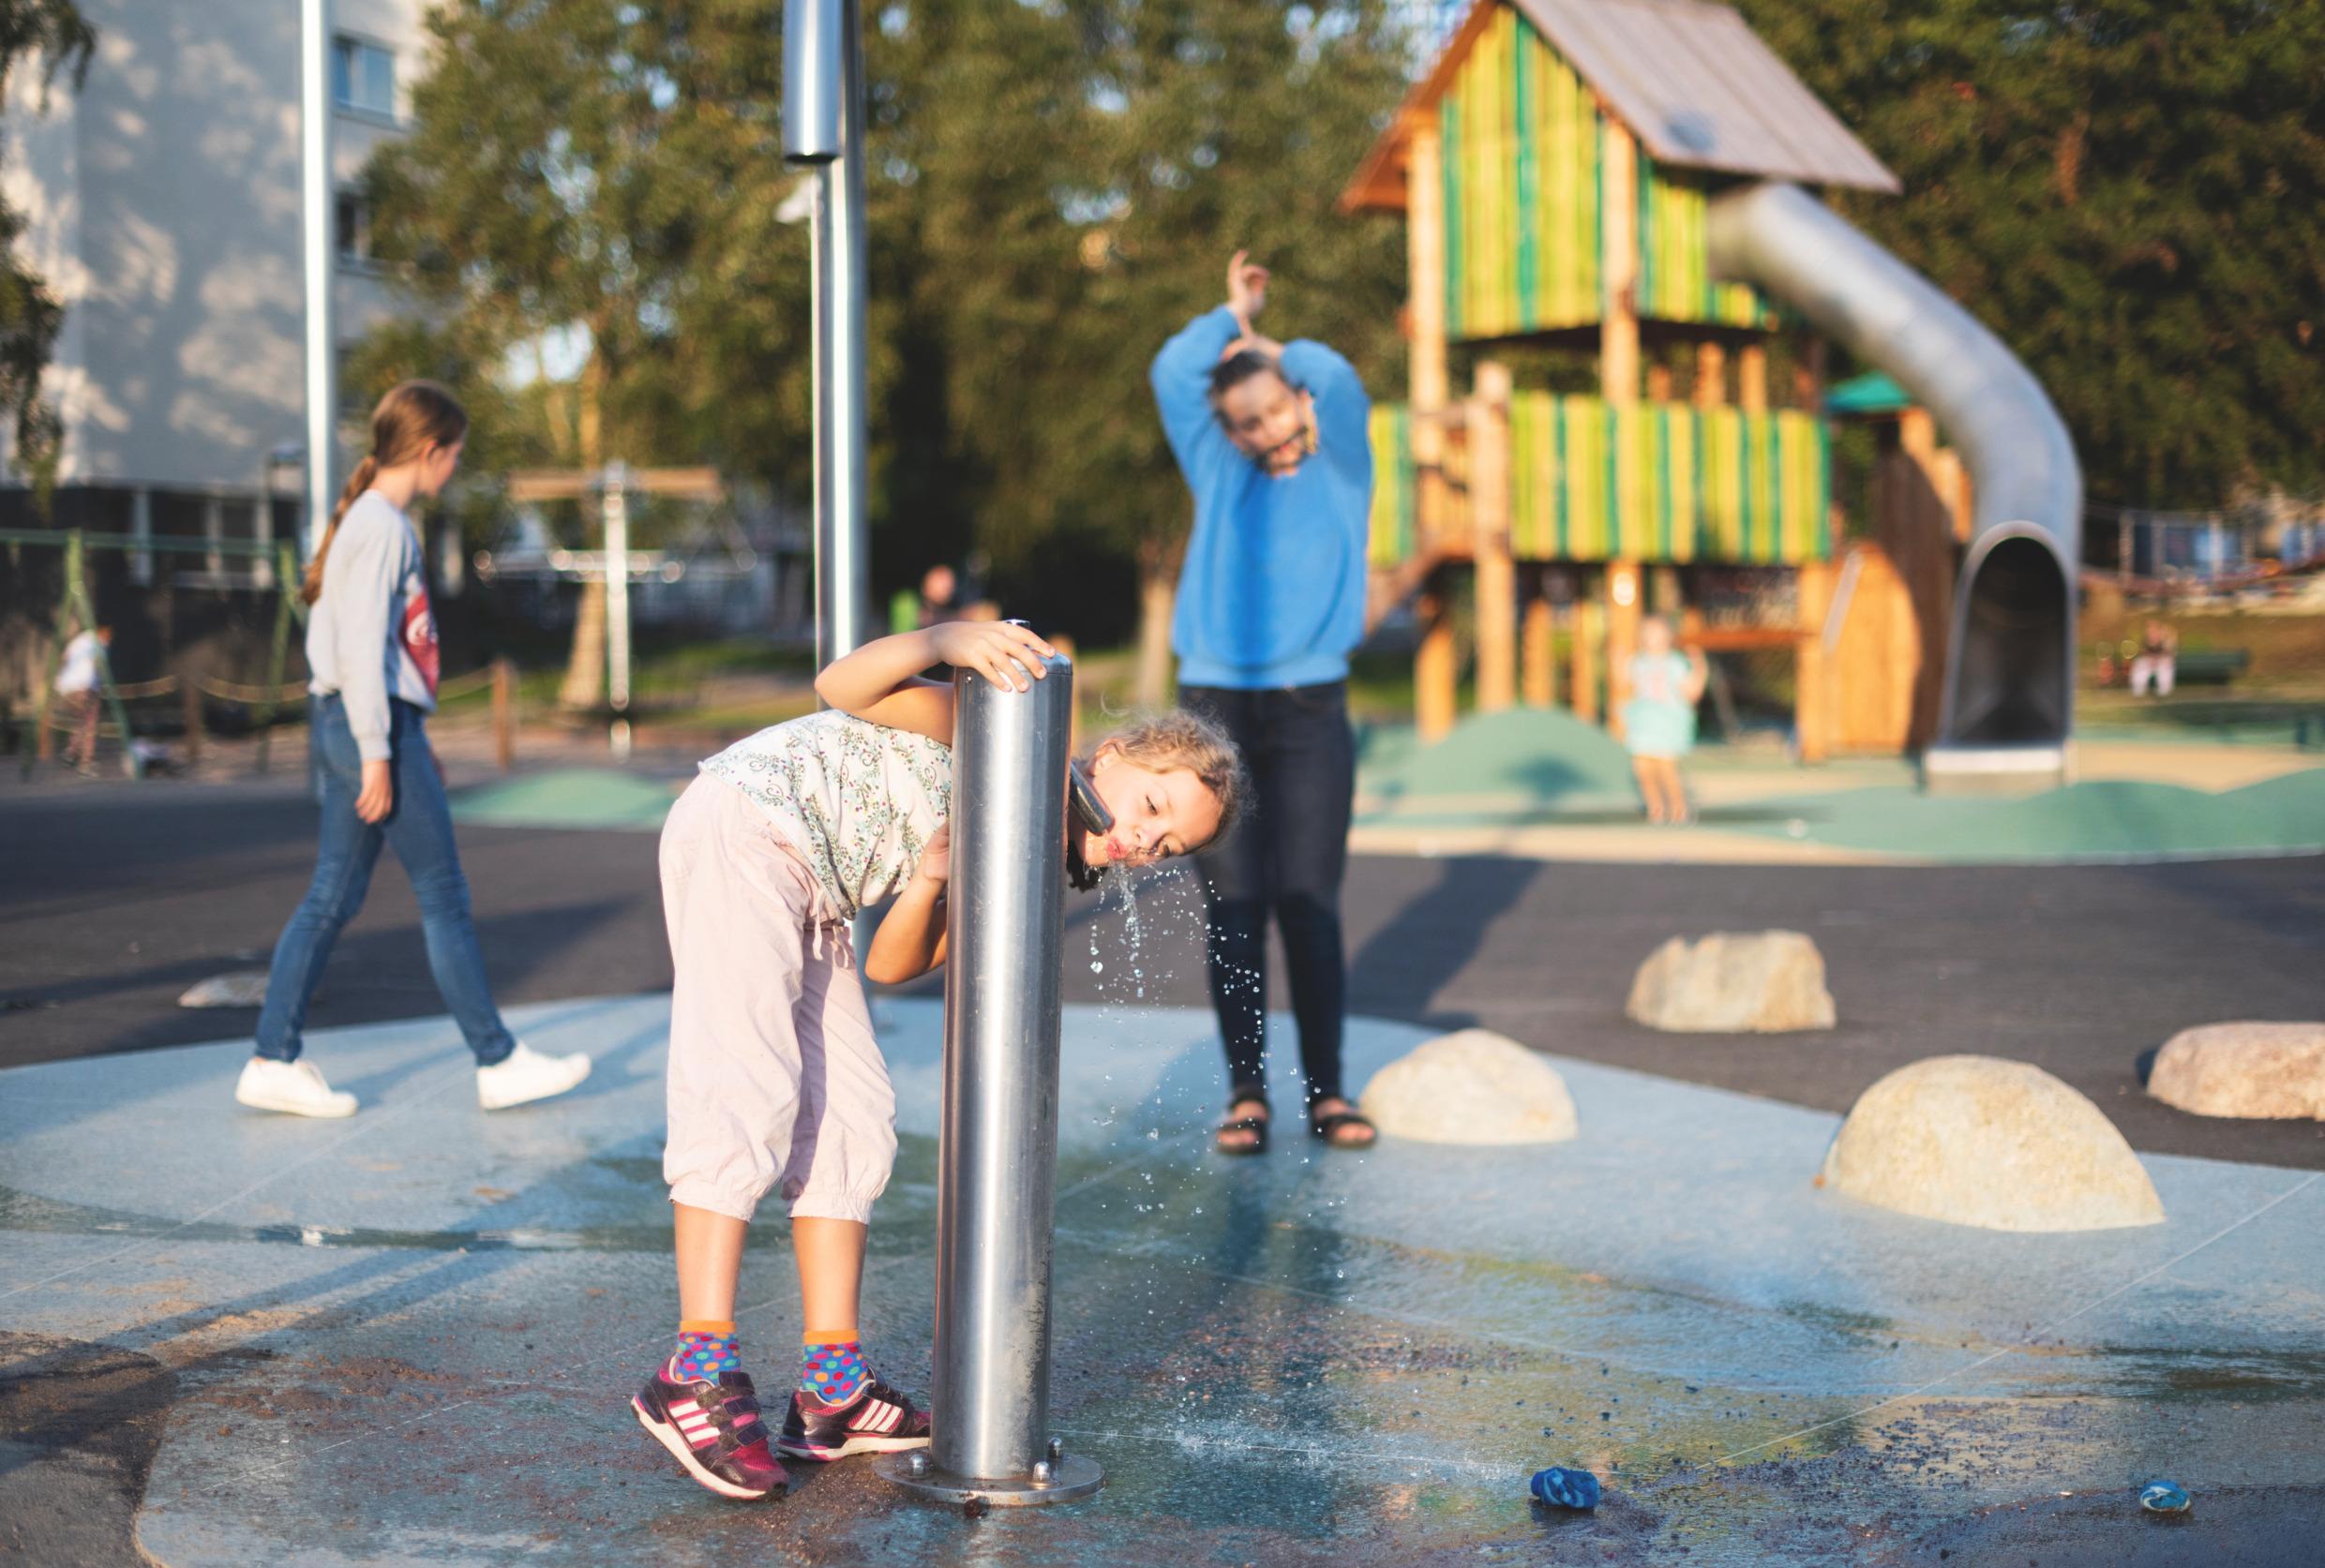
1590, 481
1523, 142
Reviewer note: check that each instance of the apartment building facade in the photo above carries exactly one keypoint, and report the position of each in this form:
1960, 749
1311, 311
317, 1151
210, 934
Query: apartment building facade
163, 205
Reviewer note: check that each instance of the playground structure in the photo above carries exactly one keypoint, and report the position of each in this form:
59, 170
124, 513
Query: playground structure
1624, 176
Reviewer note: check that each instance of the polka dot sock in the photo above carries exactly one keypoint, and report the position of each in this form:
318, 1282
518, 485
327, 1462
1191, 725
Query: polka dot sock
831, 1367
706, 1348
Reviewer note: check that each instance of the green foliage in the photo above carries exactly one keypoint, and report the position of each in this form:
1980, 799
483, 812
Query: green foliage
612, 168
55, 36
1053, 190
2131, 193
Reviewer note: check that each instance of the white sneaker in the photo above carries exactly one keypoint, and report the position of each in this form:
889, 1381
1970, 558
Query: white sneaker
525, 1074
296, 1088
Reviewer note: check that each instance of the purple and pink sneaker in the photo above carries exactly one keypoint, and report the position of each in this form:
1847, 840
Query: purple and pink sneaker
712, 1429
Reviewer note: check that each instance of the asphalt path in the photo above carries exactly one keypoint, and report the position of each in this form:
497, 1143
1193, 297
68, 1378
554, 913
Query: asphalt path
115, 898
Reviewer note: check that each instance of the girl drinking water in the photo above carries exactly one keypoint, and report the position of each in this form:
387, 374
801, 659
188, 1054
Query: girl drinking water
775, 1081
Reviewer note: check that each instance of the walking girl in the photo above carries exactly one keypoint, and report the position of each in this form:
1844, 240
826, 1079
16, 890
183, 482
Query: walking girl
776, 1080
371, 658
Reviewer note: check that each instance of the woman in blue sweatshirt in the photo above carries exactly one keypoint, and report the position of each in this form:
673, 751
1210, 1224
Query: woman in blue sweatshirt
1271, 438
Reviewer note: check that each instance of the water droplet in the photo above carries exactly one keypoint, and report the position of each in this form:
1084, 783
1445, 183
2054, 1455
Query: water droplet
1097, 968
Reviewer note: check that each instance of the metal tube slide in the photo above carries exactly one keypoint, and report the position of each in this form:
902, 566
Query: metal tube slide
2010, 663
996, 1154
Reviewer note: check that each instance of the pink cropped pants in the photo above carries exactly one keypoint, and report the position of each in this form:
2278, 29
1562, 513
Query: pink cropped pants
774, 1076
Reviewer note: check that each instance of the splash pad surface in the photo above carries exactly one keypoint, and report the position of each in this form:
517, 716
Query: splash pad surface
411, 1336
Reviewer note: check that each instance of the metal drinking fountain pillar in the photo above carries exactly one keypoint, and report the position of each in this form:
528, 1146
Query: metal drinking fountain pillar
824, 129
998, 1149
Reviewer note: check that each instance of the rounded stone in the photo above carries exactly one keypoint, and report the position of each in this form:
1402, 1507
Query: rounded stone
1474, 1087
2243, 1070
1734, 983
2001, 1145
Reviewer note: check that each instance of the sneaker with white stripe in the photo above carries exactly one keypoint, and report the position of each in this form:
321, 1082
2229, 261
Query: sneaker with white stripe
712, 1429
879, 1420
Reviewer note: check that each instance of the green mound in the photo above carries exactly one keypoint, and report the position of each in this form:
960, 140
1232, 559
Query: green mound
568, 798
1550, 760
2117, 820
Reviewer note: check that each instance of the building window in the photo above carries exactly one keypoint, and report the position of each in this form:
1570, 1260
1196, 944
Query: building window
363, 76
351, 228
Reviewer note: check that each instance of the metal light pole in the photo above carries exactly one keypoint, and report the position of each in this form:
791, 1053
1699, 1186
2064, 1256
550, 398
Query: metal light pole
998, 1141
317, 220
618, 604
823, 128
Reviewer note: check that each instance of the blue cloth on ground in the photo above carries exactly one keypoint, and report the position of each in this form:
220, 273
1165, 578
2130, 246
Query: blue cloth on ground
1565, 1489
1272, 591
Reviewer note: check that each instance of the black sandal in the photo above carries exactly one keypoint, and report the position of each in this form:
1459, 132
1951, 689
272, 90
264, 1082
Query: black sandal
1324, 1130
1256, 1125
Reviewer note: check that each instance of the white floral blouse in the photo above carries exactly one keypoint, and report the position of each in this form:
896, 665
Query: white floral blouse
858, 800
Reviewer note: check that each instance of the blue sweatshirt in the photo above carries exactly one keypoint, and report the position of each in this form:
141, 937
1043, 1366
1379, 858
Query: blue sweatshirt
1272, 592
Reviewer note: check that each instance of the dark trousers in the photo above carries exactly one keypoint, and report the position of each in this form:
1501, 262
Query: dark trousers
1286, 856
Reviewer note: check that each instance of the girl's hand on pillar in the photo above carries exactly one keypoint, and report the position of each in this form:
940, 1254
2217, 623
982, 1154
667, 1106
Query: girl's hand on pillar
1004, 654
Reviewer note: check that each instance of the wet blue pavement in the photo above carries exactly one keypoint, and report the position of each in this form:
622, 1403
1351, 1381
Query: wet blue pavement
409, 1337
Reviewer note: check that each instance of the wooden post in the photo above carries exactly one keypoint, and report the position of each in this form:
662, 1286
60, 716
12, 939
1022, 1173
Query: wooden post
189, 693
1711, 375
1538, 650
1435, 675
1812, 671
1435, 672
1497, 574
1618, 330
1624, 592
1582, 619
1751, 378
504, 714
1809, 377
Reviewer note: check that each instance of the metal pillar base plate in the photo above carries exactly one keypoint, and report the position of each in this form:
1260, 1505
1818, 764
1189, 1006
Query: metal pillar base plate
1076, 1477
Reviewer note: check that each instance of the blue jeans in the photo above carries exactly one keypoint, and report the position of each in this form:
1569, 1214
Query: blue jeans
1286, 857
419, 828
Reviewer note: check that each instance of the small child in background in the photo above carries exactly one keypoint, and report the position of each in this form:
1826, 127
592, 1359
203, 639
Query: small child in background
80, 682
1658, 721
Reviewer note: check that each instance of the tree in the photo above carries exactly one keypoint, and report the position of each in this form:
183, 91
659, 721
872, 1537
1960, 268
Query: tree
52, 34
609, 170
1080, 175
2132, 193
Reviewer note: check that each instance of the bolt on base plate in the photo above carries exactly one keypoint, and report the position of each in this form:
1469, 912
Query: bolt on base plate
1070, 1477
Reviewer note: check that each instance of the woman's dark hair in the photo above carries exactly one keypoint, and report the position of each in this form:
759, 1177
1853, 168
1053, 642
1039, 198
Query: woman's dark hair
1241, 366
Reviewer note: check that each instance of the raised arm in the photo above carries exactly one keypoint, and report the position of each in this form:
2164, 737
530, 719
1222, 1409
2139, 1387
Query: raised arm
1341, 406
1181, 379
881, 680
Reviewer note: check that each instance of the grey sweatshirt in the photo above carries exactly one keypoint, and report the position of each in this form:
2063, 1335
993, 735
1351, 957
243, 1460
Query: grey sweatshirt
373, 635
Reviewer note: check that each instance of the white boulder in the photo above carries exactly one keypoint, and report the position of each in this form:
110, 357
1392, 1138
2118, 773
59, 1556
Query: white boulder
1470, 1087
1734, 983
2243, 1070
1979, 1141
